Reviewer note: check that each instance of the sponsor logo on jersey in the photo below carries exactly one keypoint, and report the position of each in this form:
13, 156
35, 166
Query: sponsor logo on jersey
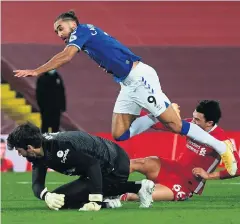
65, 156
60, 154
193, 146
72, 38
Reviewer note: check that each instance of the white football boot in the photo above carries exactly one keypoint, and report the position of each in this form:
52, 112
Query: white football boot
145, 193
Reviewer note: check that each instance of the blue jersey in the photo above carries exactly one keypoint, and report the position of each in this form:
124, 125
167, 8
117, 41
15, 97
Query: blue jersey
109, 53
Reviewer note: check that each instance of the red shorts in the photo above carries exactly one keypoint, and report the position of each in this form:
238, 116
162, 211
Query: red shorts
171, 175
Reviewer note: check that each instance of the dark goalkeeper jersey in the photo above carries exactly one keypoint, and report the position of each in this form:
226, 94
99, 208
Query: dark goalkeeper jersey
75, 153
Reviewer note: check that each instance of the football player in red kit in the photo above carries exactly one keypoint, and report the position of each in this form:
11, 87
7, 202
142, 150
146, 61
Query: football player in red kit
178, 180
6, 164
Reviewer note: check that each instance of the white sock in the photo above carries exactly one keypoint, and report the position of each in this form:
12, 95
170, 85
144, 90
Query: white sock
198, 134
141, 124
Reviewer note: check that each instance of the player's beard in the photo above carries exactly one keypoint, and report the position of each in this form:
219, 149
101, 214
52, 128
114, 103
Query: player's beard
31, 159
71, 30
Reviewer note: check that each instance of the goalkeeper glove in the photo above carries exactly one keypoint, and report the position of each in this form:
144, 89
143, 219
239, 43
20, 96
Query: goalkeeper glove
54, 201
94, 204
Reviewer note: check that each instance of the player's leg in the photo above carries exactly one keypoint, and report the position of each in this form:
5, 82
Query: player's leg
125, 120
149, 166
160, 193
76, 193
116, 182
150, 96
170, 182
120, 126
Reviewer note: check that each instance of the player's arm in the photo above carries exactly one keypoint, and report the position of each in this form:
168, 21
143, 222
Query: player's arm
58, 60
54, 201
199, 172
76, 41
38, 179
214, 175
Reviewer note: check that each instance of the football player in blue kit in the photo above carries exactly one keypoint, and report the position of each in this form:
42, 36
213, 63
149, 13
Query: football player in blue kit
140, 86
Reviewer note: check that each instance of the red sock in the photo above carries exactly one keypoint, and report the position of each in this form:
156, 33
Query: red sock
123, 197
143, 113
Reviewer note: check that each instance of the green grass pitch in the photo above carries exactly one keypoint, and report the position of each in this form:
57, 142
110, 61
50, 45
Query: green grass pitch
220, 203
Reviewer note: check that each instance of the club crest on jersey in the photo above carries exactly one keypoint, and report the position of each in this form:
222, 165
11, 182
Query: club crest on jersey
72, 38
60, 154
65, 156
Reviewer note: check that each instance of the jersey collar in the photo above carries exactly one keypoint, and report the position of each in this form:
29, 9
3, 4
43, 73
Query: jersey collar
213, 128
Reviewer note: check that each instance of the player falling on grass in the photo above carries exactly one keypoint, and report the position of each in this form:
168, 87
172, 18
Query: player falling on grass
102, 165
180, 179
140, 86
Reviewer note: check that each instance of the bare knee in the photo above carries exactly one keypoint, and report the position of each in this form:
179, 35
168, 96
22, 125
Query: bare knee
171, 120
136, 165
175, 127
148, 166
120, 126
117, 134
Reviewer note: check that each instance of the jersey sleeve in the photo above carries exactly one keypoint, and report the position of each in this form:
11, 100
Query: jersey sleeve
38, 179
79, 37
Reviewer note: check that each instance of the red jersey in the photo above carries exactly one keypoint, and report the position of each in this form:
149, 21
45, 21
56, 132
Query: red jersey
6, 165
198, 155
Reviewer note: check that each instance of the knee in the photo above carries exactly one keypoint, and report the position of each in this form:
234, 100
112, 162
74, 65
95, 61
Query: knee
175, 127
136, 164
121, 136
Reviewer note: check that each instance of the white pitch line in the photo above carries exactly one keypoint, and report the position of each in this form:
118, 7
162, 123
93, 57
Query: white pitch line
227, 183
27, 182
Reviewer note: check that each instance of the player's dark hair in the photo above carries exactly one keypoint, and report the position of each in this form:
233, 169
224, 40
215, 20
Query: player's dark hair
24, 135
210, 109
70, 15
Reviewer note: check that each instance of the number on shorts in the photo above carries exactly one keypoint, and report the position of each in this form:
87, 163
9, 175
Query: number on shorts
152, 99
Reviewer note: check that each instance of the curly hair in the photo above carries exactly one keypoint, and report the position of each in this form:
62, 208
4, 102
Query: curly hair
24, 135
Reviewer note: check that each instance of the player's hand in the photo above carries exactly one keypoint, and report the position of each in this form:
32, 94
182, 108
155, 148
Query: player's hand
199, 172
54, 201
25, 73
91, 206
94, 204
176, 107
